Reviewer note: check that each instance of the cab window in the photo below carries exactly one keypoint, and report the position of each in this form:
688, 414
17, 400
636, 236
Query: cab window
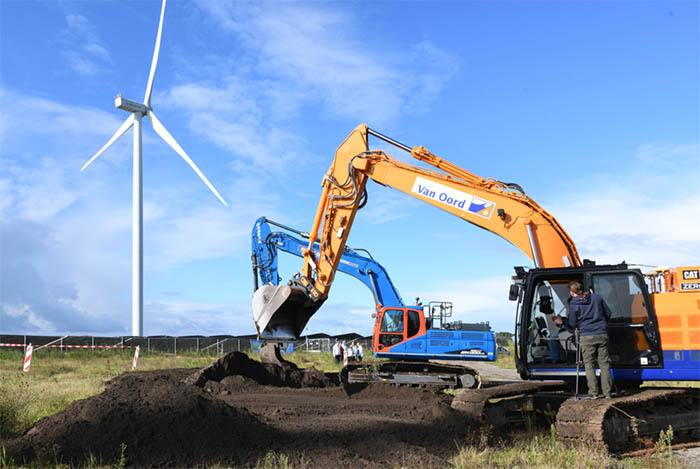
413, 323
623, 294
392, 321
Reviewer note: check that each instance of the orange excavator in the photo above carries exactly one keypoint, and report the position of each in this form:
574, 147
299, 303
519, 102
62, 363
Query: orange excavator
654, 330
502, 208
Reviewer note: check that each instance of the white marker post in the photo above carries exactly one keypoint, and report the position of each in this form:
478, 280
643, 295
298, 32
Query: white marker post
28, 358
136, 357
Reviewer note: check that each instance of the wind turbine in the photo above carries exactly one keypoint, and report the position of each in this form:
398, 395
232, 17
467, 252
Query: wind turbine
138, 111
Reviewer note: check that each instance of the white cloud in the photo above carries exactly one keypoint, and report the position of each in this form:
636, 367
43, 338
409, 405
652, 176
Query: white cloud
668, 153
647, 215
386, 205
43, 191
198, 318
234, 117
341, 318
25, 117
82, 50
328, 61
37, 294
477, 301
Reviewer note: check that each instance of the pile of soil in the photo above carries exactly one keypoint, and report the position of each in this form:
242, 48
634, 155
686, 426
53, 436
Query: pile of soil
158, 419
236, 411
238, 364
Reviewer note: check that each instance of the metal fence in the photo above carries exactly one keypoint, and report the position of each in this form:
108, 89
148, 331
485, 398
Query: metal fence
316, 345
216, 345
325, 345
175, 345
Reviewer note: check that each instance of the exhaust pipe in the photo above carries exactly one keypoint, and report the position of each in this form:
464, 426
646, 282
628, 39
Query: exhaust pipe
282, 312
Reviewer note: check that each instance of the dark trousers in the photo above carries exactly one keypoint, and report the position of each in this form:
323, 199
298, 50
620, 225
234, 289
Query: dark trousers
595, 348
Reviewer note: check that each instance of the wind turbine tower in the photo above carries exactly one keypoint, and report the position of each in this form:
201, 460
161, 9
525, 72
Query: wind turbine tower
138, 111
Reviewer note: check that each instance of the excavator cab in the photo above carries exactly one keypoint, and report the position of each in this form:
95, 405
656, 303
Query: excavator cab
395, 326
407, 333
548, 351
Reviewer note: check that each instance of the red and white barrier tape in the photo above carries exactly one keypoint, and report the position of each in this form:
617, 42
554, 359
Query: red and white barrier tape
71, 346
136, 358
28, 358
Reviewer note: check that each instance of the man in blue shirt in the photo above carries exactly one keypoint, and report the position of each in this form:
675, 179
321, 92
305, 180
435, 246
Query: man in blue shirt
590, 314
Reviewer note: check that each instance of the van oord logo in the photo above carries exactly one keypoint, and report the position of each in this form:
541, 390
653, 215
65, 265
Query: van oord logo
452, 197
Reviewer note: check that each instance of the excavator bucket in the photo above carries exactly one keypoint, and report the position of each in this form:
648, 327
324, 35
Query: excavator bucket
270, 353
281, 312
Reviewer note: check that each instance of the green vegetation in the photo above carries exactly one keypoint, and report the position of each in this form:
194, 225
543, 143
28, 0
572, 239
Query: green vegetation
671, 384
321, 361
543, 450
56, 379
273, 460
504, 360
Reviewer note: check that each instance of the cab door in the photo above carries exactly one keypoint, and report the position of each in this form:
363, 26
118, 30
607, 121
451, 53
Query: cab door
391, 328
396, 325
633, 328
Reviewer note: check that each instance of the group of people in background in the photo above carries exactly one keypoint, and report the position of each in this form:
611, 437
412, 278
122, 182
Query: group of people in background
354, 351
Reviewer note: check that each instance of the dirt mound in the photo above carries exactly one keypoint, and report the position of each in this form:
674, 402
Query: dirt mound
161, 421
231, 384
326, 428
237, 411
238, 364
383, 391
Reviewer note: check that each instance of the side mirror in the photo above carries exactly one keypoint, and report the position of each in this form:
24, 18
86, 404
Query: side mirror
513, 293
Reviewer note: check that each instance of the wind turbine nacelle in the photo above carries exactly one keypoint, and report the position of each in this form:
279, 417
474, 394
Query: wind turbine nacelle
129, 105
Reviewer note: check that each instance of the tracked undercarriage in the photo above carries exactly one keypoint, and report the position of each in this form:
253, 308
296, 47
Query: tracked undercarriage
511, 405
631, 422
412, 372
620, 424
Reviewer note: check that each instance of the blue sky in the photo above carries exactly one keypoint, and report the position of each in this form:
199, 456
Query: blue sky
591, 106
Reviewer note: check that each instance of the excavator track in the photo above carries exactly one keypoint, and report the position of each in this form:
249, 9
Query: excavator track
508, 405
412, 373
631, 422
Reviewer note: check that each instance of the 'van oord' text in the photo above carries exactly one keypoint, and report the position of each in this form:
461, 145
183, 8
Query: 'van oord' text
452, 197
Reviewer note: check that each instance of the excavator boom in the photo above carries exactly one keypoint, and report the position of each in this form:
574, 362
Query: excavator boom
501, 208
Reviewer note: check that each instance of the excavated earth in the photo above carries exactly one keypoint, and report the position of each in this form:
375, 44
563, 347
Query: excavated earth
236, 411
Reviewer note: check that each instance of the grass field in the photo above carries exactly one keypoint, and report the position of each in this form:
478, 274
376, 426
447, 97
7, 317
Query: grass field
506, 361
56, 379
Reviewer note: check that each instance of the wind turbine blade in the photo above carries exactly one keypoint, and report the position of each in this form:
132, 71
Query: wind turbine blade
154, 62
124, 127
165, 135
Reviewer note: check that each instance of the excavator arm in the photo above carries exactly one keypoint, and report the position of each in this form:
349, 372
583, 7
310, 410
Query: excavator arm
501, 208
357, 263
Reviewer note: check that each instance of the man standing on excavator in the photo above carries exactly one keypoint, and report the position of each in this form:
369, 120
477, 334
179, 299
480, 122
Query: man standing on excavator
590, 314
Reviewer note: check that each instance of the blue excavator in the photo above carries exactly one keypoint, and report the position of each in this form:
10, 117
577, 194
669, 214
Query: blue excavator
409, 336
